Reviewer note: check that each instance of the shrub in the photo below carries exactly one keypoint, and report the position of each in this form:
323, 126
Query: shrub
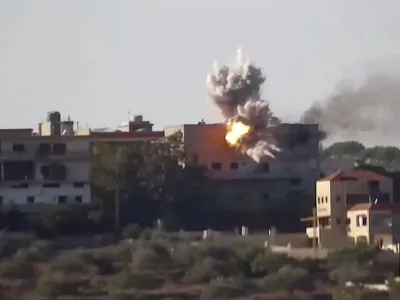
75, 261
208, 269
224, 289
287, 278
150, 256
139, 280
57, 284
16, 269
127, 295
268, 262
132, 231
38, 251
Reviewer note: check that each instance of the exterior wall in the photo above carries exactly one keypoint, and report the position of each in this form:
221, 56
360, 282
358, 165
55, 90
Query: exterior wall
77, 162
294, 170
44, 195
355, 231
323, 198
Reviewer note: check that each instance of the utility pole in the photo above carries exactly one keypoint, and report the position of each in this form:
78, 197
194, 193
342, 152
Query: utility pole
117, 191
314, 240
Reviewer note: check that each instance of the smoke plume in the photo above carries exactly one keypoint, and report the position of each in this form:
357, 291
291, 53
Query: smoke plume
368, 110
236, 91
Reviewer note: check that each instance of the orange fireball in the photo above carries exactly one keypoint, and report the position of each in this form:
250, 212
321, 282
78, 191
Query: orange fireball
236, 130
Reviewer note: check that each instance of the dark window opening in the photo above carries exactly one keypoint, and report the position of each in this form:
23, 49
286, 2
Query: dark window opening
59, 149
78, 199
337, 221
79, 184
216, 166
18, 170
51, 185
265, 167
21, 185
295, 181
54, 172
44, 149
338, 199
353, 199
1, 200
62, 199
234, 166
348, 221
18, 148
30, 199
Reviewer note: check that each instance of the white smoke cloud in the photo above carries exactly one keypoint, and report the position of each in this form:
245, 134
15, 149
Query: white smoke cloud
236, 92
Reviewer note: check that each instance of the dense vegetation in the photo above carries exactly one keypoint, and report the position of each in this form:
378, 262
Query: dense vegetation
387, 157
158, 265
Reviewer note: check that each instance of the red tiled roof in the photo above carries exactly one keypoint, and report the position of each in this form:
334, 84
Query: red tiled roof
393, 207
354, 175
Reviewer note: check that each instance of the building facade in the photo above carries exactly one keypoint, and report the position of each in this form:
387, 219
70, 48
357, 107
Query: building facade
340, 194
239, 182
45, 169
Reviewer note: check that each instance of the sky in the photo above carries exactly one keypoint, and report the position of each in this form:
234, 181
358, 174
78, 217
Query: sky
96, 60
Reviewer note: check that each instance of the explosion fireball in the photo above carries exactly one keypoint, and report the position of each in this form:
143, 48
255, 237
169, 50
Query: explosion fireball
249, 120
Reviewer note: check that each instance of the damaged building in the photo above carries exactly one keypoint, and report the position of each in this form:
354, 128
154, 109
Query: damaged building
241, 184
52, 166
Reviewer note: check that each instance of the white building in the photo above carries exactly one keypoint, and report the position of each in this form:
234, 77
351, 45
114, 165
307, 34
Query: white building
45, 169
50, 167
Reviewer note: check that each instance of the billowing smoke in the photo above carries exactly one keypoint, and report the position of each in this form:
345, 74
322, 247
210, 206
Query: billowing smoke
236, 91
366, 111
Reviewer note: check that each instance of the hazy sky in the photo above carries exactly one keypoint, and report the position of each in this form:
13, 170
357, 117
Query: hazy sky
95, 60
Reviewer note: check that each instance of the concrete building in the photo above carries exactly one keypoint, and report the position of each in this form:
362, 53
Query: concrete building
340, 194
50, 167
239, 182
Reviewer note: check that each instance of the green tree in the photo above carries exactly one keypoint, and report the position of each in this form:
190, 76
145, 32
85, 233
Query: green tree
154, 171
349, 148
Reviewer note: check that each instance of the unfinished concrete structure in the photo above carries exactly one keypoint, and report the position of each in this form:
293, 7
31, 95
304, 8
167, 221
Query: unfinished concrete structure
242, 184
52, 166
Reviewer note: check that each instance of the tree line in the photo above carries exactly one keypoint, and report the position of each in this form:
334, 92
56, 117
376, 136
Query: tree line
387, 157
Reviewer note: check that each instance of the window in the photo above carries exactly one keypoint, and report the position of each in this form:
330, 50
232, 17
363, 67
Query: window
51, 185
62, 199
361, 220
326, 199
79, 184
1, 200
78, 199
338, 199
30, 199
319, 200
59, 149
348, 221
18, 148
44, 148
216, 166
337, 221
265, 167
234, 166
295, 181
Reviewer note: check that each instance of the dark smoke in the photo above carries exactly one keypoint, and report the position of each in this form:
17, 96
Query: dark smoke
367, 110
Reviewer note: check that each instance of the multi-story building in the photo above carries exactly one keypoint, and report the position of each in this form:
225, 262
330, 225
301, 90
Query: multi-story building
50, 167
239, 182
339, 198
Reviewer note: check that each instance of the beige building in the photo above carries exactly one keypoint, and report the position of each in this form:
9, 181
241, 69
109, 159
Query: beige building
242, 184
340, 194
